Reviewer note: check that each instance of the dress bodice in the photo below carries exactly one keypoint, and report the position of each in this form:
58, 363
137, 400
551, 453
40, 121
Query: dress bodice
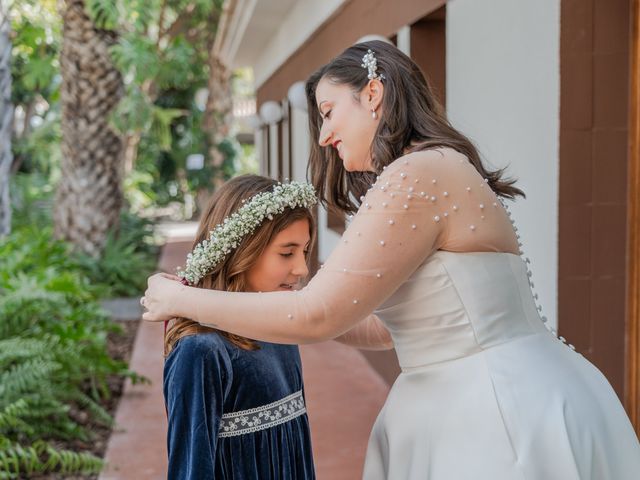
457, 304
486, 390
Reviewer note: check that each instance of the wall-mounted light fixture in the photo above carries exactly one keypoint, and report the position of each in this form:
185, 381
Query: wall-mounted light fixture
297, 96
271, 112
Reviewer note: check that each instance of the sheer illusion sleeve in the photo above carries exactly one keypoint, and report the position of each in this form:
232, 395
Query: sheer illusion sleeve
420, 203
369, 334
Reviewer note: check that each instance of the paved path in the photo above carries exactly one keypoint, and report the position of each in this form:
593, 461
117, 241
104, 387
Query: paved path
343, 396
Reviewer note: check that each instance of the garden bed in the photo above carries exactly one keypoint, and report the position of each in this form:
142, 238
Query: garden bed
120, 346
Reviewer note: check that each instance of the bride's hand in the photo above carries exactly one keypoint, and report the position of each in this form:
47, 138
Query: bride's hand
162, 287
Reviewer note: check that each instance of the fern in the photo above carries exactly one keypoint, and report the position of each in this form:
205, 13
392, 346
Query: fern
10, 416
54, 363
121, 266
67, 461
21, 310
99, 412
41, 457
24, 377
48, 418
13, 349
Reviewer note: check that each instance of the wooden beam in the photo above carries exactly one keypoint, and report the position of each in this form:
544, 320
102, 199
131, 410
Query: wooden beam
632, 391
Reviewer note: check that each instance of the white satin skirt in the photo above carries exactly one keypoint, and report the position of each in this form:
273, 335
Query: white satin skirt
528, 409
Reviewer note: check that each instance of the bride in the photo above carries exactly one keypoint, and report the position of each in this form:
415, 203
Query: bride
486, 391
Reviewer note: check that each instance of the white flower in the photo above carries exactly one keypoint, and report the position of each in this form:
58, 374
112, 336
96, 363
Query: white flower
228, 235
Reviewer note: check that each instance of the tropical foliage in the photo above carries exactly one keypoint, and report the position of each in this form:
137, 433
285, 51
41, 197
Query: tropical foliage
162, 53
54, 363
55, 369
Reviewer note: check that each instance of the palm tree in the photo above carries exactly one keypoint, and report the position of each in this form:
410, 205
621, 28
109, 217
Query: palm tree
219, 108
6, 117
217, 114
89, 196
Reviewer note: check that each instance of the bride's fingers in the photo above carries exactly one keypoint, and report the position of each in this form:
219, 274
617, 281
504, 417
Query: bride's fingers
155, 277
171, 277
150, 317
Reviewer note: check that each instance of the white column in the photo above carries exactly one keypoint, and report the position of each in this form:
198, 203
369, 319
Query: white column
404, 40
503, 88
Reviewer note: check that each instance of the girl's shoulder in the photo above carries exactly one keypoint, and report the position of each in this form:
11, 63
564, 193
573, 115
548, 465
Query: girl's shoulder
201, 345
193, 358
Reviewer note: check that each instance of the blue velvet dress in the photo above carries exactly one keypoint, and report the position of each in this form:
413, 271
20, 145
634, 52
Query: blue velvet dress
234, 413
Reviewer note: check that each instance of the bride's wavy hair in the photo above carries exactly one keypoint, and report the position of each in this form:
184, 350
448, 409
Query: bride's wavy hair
230, 274
411, 120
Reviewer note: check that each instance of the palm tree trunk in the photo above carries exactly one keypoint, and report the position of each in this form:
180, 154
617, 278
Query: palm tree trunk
6, 123
217, 114
89, 196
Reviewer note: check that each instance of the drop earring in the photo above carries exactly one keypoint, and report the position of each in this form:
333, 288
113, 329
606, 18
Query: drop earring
374, 115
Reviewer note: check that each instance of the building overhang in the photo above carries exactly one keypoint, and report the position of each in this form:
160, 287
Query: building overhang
264, 34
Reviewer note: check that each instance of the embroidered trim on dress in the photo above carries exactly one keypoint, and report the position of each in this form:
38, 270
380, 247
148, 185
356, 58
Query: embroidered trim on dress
261, 418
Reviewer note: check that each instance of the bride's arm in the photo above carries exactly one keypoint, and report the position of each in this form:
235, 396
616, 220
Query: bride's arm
401, 221
369, 334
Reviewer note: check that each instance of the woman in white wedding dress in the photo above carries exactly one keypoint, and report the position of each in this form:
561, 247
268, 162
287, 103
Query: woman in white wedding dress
486, 391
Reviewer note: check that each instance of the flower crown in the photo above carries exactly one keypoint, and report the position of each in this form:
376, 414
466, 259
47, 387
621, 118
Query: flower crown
370, 62
227, 235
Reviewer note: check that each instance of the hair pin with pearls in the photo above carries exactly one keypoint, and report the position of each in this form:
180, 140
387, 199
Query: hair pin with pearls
370, 62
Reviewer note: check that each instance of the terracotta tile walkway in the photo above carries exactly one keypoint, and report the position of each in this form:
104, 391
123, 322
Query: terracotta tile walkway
343, 395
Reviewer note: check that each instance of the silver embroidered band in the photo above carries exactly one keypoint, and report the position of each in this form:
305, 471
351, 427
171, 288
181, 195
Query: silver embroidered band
370, 62
261, 418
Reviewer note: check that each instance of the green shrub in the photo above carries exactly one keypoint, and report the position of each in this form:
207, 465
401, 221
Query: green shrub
128, 258
41, 457
54, 363
53, 359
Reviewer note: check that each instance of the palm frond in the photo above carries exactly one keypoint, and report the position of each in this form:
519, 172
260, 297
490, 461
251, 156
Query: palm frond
104, 13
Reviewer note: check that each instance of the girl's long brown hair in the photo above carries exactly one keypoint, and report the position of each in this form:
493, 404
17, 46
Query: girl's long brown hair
229, 275
411, 120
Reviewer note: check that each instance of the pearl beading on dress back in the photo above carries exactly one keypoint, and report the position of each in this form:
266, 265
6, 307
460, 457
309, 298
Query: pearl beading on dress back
536, 297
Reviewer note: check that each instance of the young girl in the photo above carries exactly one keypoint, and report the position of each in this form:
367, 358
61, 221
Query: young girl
236, 406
